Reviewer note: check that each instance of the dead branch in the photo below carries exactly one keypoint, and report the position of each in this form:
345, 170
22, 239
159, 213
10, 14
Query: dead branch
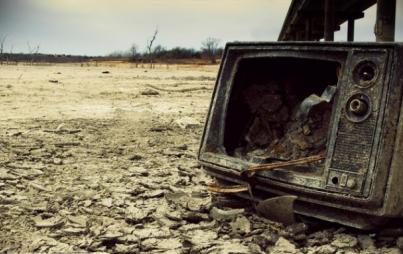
183, 90
270, 166
214, 187
150, 43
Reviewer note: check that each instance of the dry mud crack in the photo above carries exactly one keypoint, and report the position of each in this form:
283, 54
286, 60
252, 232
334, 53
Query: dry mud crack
97, 163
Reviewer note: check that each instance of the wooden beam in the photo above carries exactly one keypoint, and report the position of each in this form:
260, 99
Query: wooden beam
385, 20
308, 28
350, 29
329, 20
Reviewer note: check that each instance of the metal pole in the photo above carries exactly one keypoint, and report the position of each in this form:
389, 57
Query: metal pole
385, 20
350, 29
329, 20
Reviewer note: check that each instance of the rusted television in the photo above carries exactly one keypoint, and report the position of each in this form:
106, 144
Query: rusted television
283, 101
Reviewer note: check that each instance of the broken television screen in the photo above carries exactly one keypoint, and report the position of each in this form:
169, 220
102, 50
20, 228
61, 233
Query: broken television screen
280, 109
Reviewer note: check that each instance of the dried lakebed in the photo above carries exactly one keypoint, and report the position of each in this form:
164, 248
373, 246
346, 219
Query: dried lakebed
106, 163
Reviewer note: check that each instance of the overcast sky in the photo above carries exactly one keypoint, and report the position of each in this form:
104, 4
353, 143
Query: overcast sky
99, 27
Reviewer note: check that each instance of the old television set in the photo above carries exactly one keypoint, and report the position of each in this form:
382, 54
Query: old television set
287, 100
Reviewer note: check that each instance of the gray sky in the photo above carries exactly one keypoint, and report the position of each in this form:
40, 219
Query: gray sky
99, 27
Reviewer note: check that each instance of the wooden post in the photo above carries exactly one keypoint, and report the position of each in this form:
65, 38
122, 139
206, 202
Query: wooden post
329, 20
350, 29
385, 20
308, 29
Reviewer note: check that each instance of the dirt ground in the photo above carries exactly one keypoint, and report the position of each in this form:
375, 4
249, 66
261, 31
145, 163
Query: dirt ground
103, 159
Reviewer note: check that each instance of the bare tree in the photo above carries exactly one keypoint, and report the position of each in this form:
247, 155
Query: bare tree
210, 48
150, 51
10, 53
133, 52
32, 51
2, 42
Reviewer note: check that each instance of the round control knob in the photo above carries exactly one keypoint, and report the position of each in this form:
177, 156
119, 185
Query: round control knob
358, 107
365, 73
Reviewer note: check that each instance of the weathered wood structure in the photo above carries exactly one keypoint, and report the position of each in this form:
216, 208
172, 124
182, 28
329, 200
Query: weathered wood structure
313, 20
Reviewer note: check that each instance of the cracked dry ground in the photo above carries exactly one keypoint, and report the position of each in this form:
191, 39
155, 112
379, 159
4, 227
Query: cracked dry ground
106, 162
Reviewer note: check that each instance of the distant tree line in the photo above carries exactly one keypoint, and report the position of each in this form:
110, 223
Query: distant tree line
209, 50
164, 53
159, 54
44, 58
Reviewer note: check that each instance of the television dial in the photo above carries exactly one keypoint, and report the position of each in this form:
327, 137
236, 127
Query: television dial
365, 73
358, 107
